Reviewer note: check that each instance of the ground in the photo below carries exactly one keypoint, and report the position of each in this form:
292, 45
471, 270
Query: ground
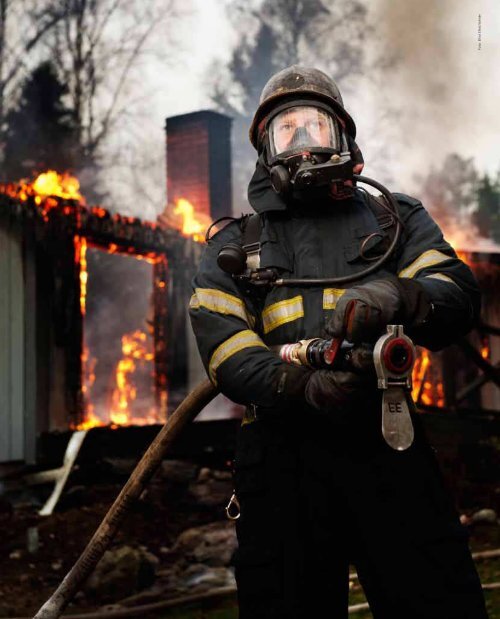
36, 552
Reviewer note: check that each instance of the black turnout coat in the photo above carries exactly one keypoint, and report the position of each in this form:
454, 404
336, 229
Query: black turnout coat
317, 493
234, 330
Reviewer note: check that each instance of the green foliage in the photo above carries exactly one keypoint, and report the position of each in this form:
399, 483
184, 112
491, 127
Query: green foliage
487, 215
40, 131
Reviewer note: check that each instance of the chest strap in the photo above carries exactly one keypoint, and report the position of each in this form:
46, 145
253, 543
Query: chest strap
252, 228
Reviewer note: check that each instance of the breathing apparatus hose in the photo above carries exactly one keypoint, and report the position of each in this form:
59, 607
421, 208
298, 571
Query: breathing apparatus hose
392, 208
147, 466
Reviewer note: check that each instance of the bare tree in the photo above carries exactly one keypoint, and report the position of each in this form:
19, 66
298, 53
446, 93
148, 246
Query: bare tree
96, 46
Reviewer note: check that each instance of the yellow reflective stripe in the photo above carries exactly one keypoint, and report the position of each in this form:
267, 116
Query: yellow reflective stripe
194, 302
221, 303
279, 313
442, 277
428, 259
331, 297
231, 346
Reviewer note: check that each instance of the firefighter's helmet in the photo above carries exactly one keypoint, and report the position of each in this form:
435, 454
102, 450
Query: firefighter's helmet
298, 83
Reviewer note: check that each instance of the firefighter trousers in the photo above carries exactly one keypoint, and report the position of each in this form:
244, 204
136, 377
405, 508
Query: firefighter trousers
317, 496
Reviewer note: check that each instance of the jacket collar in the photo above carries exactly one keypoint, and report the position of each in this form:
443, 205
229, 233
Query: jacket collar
261, 195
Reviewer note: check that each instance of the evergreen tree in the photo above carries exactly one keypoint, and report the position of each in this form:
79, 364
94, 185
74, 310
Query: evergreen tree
40, 131
487, 215
450, 193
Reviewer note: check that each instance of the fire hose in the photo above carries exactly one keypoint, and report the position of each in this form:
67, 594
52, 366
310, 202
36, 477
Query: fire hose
147, 466
393, 357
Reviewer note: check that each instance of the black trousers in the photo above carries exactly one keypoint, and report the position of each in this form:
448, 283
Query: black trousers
317, 495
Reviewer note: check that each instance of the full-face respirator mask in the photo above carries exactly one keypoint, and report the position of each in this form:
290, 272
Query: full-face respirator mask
305, 147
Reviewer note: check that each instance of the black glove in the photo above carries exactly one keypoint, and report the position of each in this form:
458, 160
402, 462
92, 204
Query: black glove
363, 312
333, 391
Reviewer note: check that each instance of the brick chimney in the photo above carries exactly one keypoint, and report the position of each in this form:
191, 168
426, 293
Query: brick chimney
199, 161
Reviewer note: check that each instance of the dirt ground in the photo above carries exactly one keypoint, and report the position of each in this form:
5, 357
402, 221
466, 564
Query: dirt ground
36, 552
27, 578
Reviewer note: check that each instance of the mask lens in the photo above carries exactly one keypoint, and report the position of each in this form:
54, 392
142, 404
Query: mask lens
300, 128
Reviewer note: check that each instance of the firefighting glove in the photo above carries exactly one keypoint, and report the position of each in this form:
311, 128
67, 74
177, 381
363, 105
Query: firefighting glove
333, 391
289, 383
363, 312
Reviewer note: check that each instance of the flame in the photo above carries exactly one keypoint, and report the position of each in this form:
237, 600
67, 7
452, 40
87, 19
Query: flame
485, 349
191, 223
88, 378
427, 389
81, 260
46, 185
60, 185
134, 350
135, 353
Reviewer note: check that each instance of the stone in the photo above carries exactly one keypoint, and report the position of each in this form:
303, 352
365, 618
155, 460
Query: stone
212, 544
199, 576
204, 475
484, 516
120, 572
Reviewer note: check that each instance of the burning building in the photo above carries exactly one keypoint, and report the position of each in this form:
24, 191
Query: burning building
93, 318
466, 377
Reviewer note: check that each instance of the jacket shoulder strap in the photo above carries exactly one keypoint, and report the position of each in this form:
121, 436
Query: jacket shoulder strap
251, 229
384, 219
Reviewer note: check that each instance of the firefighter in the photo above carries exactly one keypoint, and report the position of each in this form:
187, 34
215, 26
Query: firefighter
317, 486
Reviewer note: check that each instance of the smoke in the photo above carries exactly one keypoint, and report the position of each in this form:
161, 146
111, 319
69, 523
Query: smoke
432, 100
441, 87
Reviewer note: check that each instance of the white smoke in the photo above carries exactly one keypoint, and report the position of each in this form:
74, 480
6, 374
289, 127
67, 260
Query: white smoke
442, 91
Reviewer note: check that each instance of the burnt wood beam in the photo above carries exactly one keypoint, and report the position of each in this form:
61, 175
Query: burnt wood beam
96, 224
490, 329
491, 372
474, 385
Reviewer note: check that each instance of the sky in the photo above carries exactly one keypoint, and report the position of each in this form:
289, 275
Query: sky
445, 87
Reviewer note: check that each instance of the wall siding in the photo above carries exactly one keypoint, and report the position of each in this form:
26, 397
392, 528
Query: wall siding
11, 343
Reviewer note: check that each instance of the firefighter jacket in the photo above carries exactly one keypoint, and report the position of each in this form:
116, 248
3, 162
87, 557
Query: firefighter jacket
235, 329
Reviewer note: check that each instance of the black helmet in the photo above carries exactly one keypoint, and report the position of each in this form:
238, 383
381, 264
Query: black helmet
299, 83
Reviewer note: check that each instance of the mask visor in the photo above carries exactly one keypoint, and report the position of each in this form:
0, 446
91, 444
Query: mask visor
301, 128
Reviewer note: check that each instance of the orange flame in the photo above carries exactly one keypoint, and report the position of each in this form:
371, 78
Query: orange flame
46, 185
190, 223
81, 259
134, 350
485, 349
426, 388
59, 185
88, 378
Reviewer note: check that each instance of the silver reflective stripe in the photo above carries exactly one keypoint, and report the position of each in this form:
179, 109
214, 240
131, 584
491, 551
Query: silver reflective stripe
282, 312
221, 303
331, 297
428, 259
231, 346
442, 277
